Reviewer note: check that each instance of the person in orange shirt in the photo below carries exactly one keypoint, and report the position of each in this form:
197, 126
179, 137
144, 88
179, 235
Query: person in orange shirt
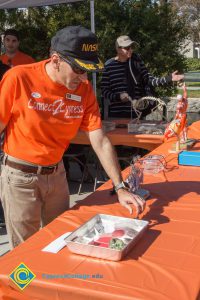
3, 69
12, 56
42, 106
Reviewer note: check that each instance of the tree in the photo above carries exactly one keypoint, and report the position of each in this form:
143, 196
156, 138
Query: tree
159, 29
190, 11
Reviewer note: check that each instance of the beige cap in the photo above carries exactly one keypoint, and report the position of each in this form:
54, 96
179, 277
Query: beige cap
124, 41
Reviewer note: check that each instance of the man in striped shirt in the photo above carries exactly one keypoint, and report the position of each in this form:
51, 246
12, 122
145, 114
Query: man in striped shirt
125, 77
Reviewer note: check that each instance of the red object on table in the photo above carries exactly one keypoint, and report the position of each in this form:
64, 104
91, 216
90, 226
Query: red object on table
118, 233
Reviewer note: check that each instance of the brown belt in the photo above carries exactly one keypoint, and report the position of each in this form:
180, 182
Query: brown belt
31, 169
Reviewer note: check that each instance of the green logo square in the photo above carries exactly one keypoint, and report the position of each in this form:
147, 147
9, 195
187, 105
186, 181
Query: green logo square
22, 276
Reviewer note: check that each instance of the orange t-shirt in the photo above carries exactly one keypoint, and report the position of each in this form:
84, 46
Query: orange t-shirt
20, 58
42, 116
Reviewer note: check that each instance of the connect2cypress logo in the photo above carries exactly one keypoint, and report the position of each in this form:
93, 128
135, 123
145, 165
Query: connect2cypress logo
22, 276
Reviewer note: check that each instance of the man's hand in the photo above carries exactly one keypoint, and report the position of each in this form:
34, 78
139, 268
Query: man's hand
126, 198
124, 97
177, 77
107, 156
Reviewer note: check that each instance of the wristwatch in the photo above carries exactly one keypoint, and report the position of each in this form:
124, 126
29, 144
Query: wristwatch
122, 185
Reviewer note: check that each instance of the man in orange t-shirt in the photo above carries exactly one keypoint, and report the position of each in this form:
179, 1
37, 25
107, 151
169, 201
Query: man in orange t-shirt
42, 106
12, 56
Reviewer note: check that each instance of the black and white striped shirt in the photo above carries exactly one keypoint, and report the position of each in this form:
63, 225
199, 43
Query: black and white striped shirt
115, 79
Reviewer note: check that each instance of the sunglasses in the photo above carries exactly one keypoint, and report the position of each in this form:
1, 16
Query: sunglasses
75, 69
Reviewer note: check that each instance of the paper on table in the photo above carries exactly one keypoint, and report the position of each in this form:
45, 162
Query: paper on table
57, 244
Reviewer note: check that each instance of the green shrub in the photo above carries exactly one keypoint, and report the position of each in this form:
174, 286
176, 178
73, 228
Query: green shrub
193, 64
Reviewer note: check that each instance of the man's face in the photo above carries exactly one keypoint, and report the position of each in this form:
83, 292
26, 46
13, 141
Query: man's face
125, 52
11, 44
70, 76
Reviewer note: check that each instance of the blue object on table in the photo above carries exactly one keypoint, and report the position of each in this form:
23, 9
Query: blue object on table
189, 158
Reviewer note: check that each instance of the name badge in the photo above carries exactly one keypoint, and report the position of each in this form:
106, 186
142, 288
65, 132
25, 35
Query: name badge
73, 97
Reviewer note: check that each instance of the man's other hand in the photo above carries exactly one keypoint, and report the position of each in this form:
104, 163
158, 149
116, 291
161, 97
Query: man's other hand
176, 76
124, 97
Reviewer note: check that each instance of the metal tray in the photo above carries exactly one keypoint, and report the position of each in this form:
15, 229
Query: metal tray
108, 221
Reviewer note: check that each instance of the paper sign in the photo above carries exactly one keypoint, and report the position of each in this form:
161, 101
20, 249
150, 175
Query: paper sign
57, 244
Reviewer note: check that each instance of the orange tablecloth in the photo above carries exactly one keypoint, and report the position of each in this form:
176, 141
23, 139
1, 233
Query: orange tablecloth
163, 265
120, 136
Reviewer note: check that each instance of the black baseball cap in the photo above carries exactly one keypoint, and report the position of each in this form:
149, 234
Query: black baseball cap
79, 45
13, 32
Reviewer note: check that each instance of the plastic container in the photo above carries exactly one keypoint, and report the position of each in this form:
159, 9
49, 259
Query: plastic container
108, 126
153, 164
142, 127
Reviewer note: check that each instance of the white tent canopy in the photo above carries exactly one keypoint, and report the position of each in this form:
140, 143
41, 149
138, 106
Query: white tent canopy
27, 3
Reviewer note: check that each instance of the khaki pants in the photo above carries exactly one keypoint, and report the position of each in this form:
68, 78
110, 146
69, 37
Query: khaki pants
31, 200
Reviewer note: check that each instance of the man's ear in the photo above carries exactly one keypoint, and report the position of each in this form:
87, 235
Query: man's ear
55, 61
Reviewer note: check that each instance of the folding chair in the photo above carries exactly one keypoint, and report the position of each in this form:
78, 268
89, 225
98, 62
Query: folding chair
77, 154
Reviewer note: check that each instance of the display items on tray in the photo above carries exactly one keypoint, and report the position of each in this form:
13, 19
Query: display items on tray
105, 236
116, 239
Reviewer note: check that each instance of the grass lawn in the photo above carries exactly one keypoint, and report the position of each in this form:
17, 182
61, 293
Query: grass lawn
194, 94
193, 84
191, 94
